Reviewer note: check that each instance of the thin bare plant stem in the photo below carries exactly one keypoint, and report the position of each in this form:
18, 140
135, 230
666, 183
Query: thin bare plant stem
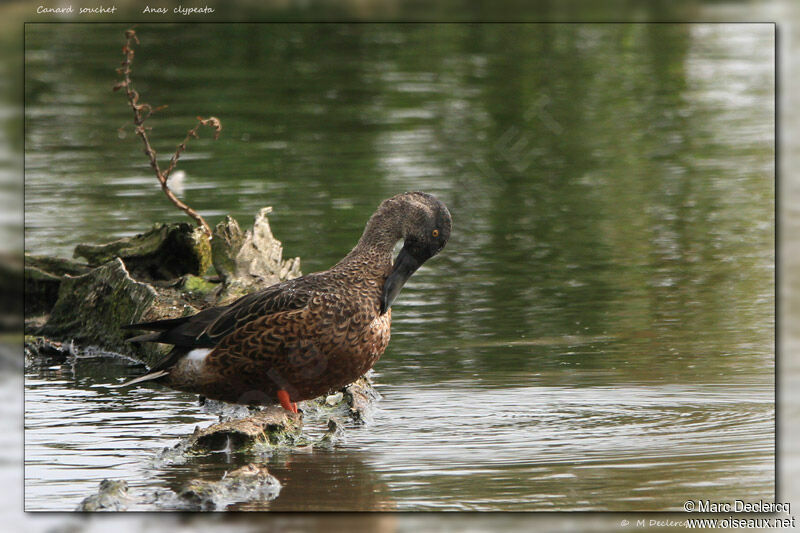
143, 111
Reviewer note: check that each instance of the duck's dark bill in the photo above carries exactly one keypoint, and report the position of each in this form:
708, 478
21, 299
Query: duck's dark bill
404, 266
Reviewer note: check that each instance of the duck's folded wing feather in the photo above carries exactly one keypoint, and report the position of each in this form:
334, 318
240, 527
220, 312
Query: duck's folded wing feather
208, 327
275, 299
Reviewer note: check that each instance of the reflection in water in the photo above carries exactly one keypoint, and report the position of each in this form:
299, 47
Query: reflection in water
340, 480
599, 332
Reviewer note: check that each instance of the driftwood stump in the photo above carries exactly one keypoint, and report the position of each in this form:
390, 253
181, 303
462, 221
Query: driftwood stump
165, 272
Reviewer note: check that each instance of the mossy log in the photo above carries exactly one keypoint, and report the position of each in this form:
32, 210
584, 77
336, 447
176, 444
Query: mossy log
167, 251
251, 260
162, 273
112, 495
354, 402
252, 482
254, 257
92, 308
273, 426
248, 483
227, 240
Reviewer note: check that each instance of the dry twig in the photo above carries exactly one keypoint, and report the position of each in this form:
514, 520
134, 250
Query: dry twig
143, 111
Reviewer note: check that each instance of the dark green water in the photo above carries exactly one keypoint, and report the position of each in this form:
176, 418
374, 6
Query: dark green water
598, 334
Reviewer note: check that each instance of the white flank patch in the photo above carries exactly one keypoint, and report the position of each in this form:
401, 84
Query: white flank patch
198, 354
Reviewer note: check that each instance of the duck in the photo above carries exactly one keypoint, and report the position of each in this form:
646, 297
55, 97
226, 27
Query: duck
302, 338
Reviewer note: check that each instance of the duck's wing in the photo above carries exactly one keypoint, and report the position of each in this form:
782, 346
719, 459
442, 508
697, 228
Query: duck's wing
208, 327
276, 299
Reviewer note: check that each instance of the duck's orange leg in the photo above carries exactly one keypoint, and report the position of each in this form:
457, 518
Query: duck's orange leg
286, 403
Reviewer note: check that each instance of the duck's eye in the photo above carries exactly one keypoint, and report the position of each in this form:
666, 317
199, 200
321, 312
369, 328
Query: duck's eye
435, 233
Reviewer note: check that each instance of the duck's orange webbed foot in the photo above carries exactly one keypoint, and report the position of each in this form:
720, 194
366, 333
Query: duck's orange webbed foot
286, 403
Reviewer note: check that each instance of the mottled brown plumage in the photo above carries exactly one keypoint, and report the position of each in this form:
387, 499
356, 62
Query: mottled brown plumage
309, 335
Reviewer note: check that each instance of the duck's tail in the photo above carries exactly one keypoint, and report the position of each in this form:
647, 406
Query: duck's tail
147, 377
160, 327
147, 337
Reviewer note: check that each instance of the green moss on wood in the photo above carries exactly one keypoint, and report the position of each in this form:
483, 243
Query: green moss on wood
273, 426
227, 240
93, 307
197, 286
167, 251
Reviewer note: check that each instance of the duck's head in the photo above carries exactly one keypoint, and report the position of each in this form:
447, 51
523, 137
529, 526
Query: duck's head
424, 223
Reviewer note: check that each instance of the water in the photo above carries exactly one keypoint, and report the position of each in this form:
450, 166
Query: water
598, 334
